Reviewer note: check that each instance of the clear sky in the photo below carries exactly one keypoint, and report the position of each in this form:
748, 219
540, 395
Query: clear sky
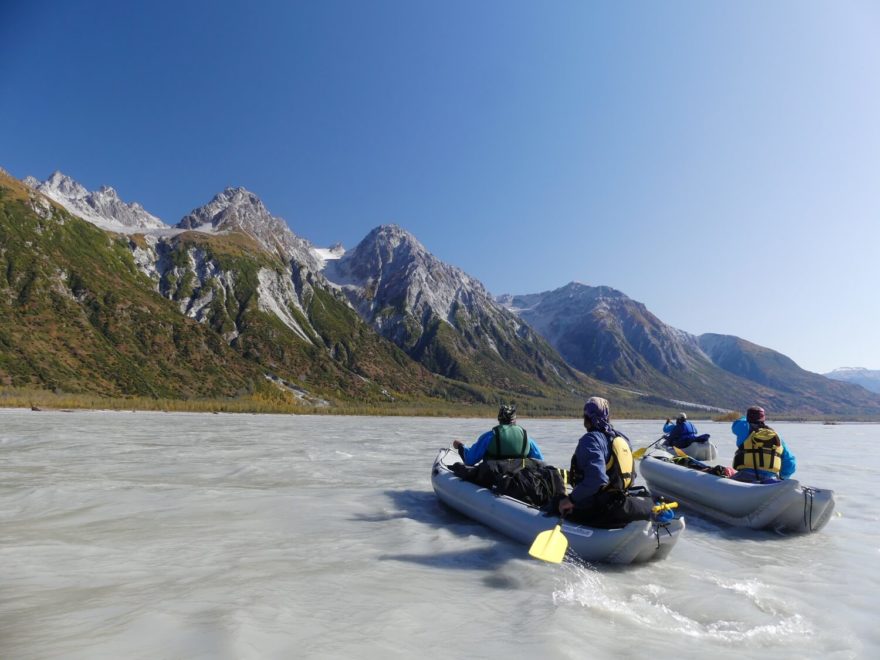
719, 162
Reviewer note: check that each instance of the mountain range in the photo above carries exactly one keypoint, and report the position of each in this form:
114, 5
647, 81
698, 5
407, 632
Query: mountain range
102, 296
867, 378
606, 334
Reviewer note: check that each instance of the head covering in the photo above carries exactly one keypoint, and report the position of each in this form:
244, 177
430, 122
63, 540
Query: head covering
507, 414
597, 410
755, 415
681, 417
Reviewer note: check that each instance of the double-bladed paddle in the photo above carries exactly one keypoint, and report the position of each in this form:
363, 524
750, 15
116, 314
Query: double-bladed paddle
638, 453
680, 453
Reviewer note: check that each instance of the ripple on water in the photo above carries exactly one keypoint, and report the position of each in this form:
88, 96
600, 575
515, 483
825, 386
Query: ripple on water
730, 611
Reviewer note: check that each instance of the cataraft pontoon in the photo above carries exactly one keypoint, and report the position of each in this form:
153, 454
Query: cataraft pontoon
701, 450
639, 541
783, 506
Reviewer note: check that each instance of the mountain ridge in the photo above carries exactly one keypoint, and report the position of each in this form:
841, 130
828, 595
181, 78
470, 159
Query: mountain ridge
616, 339
441, 316
102, 207
272, 317
388, 319
867, 378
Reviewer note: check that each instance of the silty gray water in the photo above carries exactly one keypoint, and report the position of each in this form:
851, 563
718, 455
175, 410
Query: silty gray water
259, 536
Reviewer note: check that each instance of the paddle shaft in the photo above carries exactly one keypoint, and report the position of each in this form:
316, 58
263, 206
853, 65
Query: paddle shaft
638, 453
679, 452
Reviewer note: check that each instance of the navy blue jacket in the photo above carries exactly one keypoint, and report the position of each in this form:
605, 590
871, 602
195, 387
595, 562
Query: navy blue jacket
590, 457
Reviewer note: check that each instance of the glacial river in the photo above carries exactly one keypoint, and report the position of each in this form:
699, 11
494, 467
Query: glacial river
151, 535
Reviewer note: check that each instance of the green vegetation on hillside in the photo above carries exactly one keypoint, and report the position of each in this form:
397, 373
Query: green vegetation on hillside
82, 324
76, 315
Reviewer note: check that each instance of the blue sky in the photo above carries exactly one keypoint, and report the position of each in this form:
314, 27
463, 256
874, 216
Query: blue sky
718, 162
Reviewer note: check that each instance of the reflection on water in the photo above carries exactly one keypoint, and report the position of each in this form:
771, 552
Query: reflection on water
219, 536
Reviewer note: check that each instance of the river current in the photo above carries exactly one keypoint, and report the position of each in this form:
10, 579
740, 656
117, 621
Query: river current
162, 535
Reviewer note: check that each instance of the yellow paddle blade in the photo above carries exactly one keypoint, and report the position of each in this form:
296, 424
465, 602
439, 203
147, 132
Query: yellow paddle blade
679, 452
638, 453
550, 545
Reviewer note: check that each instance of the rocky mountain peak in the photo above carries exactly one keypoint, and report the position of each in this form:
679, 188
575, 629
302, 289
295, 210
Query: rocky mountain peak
397, 269
238, 209
233, 209
438, 314
605, 333
388, 243
64, 186
574, 296
102, 207
867, 378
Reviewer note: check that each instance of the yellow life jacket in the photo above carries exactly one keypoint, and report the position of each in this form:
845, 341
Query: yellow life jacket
762, 450
619, 467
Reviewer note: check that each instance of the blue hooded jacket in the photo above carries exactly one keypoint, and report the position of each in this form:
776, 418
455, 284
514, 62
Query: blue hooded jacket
680, 434
741, 430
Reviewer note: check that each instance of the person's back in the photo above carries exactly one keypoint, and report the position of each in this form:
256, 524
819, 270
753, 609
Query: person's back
681, 433
602, 471
505, 441
761, 454
508, 441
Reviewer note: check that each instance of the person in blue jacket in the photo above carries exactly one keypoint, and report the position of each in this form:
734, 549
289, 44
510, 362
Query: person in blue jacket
602, 469
507, 440
680, 433
761, 454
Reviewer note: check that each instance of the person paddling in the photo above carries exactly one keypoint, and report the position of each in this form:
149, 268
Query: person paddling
602, 470
507, 440
761, 454
681, 433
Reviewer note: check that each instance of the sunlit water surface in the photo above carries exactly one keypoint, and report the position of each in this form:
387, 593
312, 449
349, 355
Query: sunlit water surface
151, 535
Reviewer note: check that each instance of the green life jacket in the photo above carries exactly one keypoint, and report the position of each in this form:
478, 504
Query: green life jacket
762, 450
510, 441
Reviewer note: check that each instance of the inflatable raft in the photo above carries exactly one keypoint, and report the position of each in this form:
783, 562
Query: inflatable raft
702, 451
783, 506
639, 541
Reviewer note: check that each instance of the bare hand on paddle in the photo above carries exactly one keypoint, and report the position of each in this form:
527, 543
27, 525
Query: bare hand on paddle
456, 444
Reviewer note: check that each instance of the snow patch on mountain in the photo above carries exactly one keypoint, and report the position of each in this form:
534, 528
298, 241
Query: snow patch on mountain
332, 253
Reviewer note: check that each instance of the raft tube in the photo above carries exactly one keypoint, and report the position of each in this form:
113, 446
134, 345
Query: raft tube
784, 506
640, 541
702, 451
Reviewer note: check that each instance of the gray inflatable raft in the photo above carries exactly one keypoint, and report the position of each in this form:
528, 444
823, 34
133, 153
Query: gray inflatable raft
702, 451
639, 541
784, 506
